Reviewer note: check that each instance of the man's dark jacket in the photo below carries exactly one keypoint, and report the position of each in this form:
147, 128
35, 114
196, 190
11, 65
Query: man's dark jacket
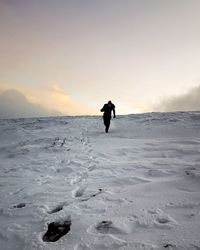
107, 110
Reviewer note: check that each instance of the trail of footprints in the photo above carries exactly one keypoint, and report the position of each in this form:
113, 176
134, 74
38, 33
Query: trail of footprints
59, 228
154, 218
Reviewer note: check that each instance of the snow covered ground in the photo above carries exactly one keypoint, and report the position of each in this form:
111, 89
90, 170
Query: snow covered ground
137, 187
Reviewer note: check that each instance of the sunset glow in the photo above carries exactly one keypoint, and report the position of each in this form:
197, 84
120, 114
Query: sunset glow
73, 56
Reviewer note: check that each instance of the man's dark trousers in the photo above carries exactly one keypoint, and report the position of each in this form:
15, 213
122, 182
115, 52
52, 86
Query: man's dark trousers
106, 122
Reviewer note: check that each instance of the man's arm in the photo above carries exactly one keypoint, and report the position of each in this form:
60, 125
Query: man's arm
114, 111
103, 109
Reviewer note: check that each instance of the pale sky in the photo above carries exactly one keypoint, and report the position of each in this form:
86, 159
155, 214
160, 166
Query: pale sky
74, 55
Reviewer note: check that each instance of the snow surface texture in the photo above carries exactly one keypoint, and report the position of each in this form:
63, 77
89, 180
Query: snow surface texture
137, 187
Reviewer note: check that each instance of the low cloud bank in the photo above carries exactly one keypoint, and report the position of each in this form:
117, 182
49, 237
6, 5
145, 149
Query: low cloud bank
186, 102
13, 104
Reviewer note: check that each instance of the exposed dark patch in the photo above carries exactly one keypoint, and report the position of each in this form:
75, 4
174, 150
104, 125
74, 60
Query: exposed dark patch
56, 230
20, 205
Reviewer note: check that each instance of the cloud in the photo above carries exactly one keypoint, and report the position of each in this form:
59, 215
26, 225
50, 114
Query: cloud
64, 103
17, 101
56, 89
13, 104
186, 102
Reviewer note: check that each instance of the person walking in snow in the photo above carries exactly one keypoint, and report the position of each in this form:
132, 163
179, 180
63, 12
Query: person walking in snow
107, 109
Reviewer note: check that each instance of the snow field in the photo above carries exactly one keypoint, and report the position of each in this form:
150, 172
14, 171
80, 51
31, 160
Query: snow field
136, 187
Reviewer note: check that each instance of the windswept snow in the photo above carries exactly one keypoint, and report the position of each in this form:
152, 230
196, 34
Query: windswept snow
137, 187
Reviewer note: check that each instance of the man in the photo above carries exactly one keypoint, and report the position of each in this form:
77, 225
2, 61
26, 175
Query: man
107, 109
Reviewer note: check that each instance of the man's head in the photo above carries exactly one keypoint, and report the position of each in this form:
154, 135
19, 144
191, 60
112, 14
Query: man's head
109, 103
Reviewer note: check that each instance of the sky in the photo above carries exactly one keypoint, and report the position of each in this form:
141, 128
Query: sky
72, 56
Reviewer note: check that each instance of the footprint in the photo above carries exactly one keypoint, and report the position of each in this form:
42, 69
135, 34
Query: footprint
56, 230
78, 192
168, 246
155, 218
107, 227
20, 205
164, 220
92, 195
56, 209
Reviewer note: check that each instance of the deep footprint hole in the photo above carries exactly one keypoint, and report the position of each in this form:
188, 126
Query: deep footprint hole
56, 230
